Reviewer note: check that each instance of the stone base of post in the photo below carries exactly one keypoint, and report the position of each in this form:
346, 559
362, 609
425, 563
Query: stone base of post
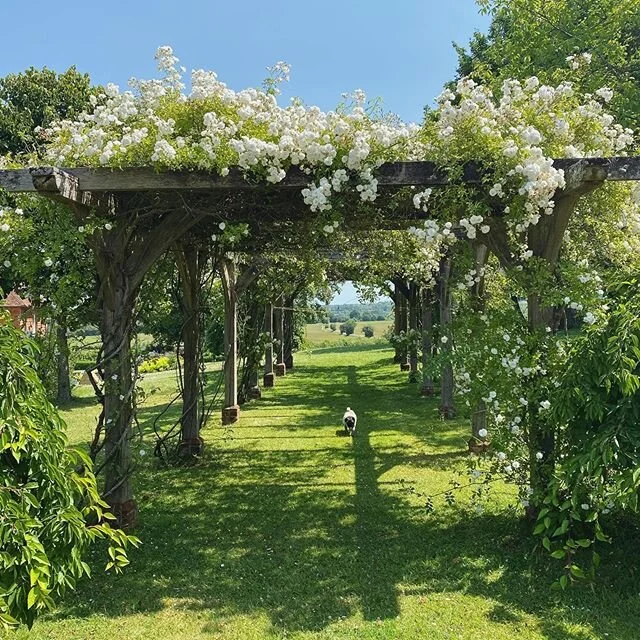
190, 449
255, 393
478, 446
448, 413
269, 380
126, 513
280, 369
230, 414
427, 391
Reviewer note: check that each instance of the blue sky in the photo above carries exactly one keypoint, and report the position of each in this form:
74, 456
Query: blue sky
400, 51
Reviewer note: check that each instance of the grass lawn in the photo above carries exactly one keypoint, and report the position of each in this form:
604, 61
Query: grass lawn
288, 531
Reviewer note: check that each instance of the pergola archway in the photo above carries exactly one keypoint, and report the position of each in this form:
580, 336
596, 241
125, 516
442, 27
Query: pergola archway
150, 211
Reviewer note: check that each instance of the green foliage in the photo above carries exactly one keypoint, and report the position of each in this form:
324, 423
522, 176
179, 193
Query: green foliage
368, 331
405, 340
46, 365
364, 312
535, 37
51, 510
597, 408
161, 363
36, 98
348, 327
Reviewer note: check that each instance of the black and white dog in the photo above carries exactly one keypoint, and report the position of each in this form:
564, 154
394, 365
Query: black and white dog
350, 419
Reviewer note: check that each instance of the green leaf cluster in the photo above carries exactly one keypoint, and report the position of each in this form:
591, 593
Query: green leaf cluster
50, 509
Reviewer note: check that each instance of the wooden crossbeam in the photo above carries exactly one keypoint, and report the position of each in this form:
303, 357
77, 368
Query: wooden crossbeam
63, 186
74, 182
59, 185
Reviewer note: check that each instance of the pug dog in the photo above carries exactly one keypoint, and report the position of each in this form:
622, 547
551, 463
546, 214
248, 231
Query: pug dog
349, 420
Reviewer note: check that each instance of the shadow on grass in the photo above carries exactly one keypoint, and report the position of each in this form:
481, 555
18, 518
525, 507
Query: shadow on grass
282, 533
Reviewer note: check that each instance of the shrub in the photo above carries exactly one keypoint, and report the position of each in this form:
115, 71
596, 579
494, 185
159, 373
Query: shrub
348, 327
332, 326
368, 331
51, 510
595, 411
161, 363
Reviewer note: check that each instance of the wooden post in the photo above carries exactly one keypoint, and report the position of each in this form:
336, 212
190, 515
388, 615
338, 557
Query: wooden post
414, 303
189, 263
427, 389
269, 376
280, 367
288, 330
231, 409
447, 408
64, 383
116, 297
477, 444
254, 392
401, 320
397, 319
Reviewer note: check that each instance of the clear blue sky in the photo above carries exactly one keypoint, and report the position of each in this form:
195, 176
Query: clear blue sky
399, 50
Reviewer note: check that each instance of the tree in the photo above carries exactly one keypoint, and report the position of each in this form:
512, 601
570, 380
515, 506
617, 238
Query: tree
29, 102
45, 257
545, 37
35, 99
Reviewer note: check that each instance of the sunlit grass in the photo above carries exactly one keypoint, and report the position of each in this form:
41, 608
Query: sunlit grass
286, 530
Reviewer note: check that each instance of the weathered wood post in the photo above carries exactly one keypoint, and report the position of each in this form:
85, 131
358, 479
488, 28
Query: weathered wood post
414, 304
269, 375
288, 331
477, 443
545, 240
255, 393
447, 408
249, 355
190, 264
280, 367
400, 317
230, 409
427, 389
398, 324
116, 298
63, 394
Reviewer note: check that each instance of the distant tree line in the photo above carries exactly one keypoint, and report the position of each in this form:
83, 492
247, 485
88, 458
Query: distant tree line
360, 312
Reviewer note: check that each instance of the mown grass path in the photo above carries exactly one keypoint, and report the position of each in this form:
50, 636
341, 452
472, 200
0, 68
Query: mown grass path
287, 530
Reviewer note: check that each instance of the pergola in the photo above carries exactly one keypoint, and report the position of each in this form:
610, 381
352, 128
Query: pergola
151, 211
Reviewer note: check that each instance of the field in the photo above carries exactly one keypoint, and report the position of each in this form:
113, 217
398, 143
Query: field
287, 530
318, 334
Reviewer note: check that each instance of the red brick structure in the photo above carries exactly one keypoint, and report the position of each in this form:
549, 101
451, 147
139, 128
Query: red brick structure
22, 313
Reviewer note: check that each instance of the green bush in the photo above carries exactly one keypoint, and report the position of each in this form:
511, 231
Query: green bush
50, 510
161, 363
348, 327
595, 415
368, 331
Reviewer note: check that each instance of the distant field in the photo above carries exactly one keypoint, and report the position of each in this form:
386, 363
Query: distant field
318, 334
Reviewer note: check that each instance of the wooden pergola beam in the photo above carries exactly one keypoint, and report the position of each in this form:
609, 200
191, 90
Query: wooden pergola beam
73, 183
63, 186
